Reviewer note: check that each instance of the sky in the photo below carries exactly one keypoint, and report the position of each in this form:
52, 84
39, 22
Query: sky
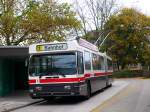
141, 5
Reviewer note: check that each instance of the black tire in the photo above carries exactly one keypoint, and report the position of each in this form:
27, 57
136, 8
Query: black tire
107, 81
49, 98
34, 97
88, 93
108, 84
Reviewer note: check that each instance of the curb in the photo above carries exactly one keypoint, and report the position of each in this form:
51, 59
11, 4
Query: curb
29, 104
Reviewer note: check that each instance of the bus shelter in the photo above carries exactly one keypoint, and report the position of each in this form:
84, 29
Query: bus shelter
13, 71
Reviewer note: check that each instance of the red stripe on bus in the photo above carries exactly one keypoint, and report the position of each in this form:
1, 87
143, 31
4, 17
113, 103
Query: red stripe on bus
100, 74
87, 75
109, 73
62, 80
52, 80
32, 81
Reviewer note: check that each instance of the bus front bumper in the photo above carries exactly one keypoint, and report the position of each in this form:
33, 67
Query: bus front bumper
63, 89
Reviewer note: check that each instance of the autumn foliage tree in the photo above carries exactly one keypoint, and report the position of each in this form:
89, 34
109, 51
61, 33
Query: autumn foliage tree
29, 21
128, 42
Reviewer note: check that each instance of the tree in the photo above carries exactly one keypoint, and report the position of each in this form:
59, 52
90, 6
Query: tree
32, 21
128, 43
93, 15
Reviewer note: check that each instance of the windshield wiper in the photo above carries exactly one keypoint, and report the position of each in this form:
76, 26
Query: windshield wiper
62, 75
51, 74
41, 74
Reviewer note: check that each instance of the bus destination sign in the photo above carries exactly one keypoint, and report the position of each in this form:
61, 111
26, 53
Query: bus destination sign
51, 47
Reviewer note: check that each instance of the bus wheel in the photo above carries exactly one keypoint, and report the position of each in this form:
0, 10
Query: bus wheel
110, 84
107, 83
88, 92
34, 97
48, 98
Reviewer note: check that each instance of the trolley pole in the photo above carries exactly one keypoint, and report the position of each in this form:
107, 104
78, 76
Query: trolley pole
103, 39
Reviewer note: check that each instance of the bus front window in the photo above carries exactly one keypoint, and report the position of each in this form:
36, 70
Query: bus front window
53, 64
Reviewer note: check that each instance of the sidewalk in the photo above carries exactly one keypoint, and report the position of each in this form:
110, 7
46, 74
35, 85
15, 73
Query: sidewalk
17, 100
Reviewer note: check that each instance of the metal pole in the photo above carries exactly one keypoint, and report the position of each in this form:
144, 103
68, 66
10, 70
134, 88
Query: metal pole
98, 38
105, 39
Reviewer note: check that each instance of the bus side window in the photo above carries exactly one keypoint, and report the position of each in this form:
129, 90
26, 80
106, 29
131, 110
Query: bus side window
102, 63
96, 62
80, 63
110, 66
87, 60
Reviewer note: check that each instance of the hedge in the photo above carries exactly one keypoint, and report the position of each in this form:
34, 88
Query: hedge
128, 73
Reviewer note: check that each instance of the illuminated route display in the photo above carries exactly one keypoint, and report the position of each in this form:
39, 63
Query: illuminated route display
51, 47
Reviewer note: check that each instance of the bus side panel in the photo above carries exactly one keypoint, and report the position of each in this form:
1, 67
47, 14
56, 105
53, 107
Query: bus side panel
98, 83
110, 77
109, 71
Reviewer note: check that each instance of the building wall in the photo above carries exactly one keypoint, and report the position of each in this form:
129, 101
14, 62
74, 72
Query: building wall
6, 77
13, 75
1, 72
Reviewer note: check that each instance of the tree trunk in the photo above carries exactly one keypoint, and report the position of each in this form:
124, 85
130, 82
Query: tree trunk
123, 64
7, 41
118, 65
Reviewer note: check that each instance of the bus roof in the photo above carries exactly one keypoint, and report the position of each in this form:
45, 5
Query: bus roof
70, 45
65, 46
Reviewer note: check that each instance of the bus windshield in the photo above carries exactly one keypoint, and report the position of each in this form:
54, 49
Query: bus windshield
53, 64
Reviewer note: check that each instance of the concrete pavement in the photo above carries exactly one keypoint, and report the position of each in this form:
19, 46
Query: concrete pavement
17, 100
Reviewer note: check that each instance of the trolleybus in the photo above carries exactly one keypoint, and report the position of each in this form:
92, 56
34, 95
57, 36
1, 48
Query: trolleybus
69, 68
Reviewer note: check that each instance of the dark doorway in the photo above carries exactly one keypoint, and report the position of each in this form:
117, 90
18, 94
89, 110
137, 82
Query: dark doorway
20, 75
13, 75
13, 72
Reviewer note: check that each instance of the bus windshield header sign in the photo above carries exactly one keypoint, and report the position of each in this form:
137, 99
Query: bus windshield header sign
51, 47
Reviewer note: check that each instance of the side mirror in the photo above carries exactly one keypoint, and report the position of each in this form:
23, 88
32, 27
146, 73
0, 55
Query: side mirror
26, 63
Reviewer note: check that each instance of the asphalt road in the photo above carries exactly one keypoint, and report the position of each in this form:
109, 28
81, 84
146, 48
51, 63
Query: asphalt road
129, 95
76, 104
134, 98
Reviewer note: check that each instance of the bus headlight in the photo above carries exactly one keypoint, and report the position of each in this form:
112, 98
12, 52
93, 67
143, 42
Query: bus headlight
31, 91
38, 88
67, 87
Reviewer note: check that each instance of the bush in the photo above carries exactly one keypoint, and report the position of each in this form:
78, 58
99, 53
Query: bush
124, 74
146, 73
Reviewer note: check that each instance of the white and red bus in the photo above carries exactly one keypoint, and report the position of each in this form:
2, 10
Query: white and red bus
70, 68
